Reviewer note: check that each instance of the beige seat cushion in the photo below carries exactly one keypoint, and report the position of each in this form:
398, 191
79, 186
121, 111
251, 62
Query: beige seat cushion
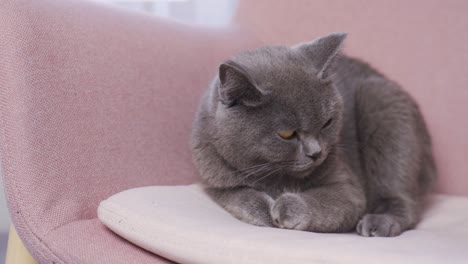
181, 223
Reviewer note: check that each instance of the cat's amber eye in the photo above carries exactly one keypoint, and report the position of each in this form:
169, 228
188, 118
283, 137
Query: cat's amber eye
287, 134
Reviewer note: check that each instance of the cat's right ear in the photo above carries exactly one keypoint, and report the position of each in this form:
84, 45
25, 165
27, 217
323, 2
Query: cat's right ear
236, 86
322, 51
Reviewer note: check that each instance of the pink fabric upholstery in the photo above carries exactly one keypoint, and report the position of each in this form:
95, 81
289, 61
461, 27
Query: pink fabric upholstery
420, 43
88, 241
95, 100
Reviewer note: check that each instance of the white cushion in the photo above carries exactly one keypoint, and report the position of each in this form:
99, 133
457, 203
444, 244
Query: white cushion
181, 223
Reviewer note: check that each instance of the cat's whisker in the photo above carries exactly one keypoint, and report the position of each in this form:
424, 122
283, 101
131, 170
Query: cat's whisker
263, 177
250, 168
266, 169
262, 169
258, 168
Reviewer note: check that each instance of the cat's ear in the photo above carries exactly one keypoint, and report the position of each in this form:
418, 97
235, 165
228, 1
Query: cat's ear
236, 85
322, 51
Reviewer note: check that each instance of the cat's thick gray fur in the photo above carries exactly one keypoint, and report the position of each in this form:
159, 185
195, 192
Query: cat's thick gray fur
369, 169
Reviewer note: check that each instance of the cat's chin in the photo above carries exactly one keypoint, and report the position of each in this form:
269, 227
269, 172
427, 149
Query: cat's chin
303, 167
304, 170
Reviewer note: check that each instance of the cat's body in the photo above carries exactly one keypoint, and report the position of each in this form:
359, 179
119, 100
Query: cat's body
354, 151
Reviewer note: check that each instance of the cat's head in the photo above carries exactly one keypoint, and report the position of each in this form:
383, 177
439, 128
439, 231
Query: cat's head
278, 105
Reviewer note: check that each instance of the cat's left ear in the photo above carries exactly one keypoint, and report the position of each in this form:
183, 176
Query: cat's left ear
322, 51
237, 86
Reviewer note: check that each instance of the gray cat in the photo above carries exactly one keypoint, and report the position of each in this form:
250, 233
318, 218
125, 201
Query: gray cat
307, 138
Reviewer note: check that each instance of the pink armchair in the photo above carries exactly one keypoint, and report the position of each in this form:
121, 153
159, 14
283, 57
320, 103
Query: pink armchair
95, 100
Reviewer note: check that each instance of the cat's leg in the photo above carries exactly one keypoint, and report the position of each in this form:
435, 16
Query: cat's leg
246, 204
393, 141
334, 207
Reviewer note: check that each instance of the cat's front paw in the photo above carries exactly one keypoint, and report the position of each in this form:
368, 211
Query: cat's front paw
378, 225
290, 211
252, 207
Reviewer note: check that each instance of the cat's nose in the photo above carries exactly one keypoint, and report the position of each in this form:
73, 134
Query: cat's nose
315, 156
312, 149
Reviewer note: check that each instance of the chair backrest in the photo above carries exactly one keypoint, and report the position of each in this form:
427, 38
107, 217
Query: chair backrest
421, 44
95, 100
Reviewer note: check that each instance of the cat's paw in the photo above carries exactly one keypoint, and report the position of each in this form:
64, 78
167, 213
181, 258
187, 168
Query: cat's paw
378, 225
290, 211
254, 209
